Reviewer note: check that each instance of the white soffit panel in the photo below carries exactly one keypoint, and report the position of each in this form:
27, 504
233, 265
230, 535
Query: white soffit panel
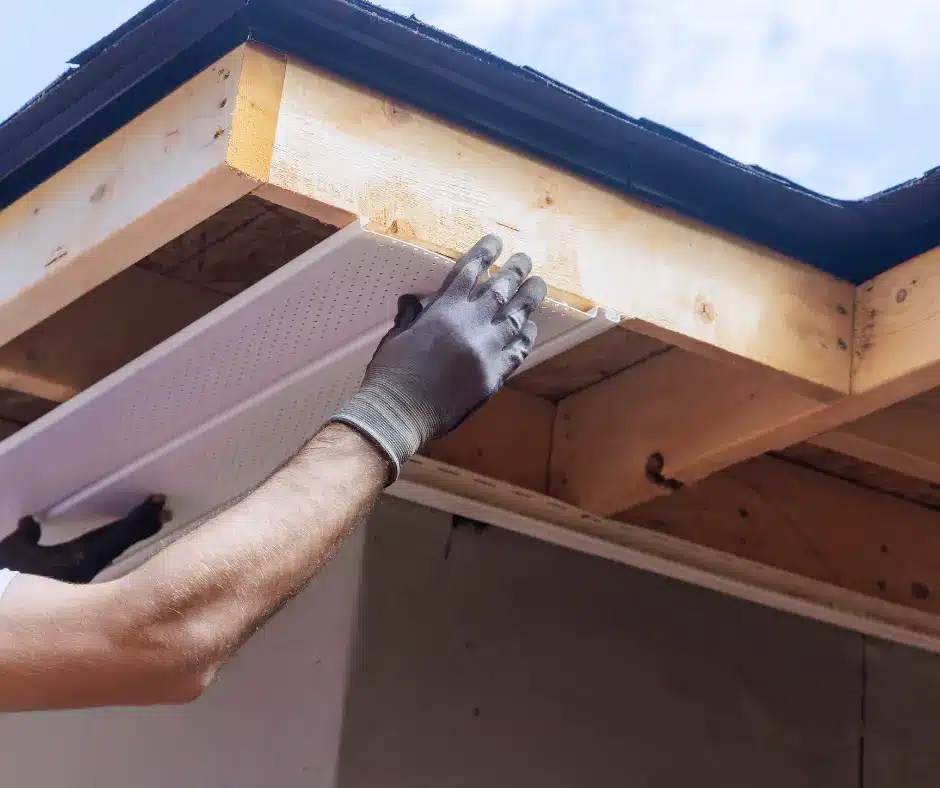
214, 409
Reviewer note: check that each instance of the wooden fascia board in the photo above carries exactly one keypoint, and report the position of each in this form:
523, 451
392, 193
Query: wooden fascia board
179, 162
896, 360
897, 332
416, 177
709, 419
255, 122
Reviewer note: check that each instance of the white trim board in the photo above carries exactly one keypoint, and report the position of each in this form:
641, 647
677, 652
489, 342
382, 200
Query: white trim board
214, 409
434, 484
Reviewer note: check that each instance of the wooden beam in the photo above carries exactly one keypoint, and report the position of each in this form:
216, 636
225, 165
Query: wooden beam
865, 474
897, 332
911, 622
888, 420
100, 332
415, 177
904, 437
147, 303
203, 146
582, 366
699, 416
508, 439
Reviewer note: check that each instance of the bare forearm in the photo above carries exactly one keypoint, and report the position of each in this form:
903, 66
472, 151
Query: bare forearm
158, 634
210, 590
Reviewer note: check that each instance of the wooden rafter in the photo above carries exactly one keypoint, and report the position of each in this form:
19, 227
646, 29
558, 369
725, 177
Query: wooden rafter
727, 351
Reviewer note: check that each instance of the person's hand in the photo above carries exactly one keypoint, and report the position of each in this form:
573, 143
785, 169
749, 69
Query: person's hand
82, 559
439, 364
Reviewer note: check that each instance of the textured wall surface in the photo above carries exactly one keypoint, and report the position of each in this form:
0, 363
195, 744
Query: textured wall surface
501, 661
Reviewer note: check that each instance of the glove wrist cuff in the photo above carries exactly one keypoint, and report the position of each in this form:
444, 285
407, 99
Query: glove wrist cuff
376, 412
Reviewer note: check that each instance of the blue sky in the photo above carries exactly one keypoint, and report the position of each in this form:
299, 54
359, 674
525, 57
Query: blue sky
839, 95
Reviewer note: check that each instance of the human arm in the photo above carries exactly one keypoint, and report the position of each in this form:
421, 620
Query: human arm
160, 634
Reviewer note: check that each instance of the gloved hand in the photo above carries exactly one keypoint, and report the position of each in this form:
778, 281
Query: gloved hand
439, 364
82, 559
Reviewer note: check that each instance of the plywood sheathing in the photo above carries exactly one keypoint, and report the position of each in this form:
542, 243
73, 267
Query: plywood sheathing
415, 177
865, 474
587, 364
792, 517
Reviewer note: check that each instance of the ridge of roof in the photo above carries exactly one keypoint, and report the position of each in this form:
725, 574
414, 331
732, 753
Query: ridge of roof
170, 41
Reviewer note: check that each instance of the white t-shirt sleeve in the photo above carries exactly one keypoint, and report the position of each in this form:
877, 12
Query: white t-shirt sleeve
6, 576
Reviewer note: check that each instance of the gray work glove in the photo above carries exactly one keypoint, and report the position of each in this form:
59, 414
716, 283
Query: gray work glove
439, 364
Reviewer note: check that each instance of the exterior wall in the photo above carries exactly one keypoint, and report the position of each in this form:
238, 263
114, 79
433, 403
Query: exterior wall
491, 659
272, 718
902, 711
507, 662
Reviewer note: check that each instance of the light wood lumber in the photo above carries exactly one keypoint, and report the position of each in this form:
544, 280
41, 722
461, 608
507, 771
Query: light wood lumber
701, 416
414, 177
904, 437
889, 419
897, 332
821, 527
508, 439
179, 162
100, 332
582, 366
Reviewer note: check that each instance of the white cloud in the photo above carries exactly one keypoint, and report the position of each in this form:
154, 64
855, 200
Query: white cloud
801, 87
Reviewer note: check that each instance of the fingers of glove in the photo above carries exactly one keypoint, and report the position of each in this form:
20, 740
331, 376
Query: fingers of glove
467, 272
500, 288
518, 349
409, 309
527, 298
524, 339
30, 530
510, 320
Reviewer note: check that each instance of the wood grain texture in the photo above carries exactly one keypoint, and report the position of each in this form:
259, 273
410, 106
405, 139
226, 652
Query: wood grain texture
155, 178
866, 474
815, 525
508, 439
416, 178
701, 416
904, 437
238, 247
257, 106
591, 362
166, 291
897, 331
